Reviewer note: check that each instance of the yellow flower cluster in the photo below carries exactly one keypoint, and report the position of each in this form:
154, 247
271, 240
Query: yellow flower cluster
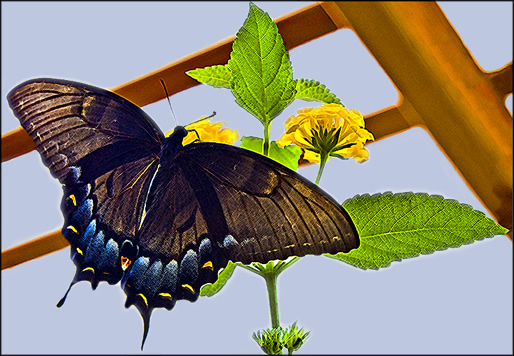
331, 130
205, 131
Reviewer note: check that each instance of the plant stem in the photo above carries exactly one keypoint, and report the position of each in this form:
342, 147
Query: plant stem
323, 161
265, 142
270, 272
271, 284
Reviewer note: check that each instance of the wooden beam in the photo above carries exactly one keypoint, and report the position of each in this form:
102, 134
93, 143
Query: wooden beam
427, 61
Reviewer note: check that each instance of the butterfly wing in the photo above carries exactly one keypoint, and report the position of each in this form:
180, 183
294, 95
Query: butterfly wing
69, 121
213, 203
270, 211
210, 203
105, 151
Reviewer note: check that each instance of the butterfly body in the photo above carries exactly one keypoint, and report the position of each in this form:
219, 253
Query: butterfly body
160, 217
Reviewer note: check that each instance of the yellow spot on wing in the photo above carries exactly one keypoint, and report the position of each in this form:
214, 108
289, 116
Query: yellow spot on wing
289, 246
144, 298
85, 104
335, 238
80, 251
187, 286
72, 228
307, 244
166, 295
89, 269
272, 183
208, 265
74, 200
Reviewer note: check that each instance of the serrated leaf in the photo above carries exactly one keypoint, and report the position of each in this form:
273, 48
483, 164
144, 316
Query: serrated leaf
288, 155
217, 76
312, 90
262, 75
392, 227
208, 290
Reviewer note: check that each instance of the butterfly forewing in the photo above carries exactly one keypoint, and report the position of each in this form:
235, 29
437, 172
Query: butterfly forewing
69, 121
271, 211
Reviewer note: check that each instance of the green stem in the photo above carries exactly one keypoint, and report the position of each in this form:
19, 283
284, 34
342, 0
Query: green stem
270, 272
271, 284
265, 142
323, 161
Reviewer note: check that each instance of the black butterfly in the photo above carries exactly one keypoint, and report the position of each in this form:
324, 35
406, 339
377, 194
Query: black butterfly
161, 217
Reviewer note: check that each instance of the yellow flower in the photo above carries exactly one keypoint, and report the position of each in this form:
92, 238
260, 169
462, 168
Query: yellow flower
204, 131
330, 130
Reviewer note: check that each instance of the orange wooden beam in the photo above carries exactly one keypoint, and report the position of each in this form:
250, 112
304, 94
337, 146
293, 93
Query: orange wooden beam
439, 80
35, 248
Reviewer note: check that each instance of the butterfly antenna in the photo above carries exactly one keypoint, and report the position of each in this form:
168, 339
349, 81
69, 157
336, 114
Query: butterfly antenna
197, 121
169, 101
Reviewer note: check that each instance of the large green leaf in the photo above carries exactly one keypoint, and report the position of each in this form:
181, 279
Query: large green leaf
217, 76
208, 290
262, 75
288, 155
392, 227
312, 90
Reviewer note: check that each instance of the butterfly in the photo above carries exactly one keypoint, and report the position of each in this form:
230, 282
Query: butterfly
161, 217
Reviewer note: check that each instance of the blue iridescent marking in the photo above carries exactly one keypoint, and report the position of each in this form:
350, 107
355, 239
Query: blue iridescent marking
205, 247
80, 217
75, 173
137, 272
188, 270
110, 256
229, 241
85, 240
152, 278
95, 250
169, 276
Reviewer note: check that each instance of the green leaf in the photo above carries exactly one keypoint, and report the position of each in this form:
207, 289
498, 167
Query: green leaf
392, 227
262, 75
217, 76
311, 90
208, 290
288, 156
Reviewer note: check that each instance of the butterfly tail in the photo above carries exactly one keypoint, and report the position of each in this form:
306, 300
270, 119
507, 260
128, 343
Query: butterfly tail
63, 299
146, 324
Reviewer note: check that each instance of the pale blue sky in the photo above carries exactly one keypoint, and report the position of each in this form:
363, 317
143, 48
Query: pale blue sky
456, 301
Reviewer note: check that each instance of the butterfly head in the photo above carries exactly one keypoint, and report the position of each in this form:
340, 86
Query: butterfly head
178, 134
173, 143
